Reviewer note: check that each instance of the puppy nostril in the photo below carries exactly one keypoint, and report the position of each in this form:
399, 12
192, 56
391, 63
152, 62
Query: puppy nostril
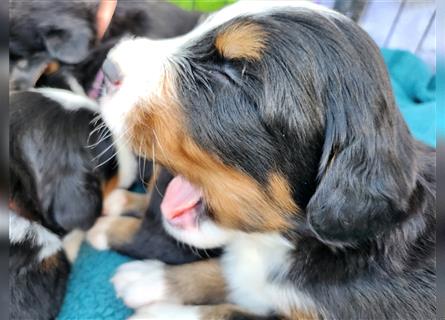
112, 72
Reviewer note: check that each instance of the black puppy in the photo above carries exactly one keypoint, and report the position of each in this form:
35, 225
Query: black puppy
55, 186
53, 43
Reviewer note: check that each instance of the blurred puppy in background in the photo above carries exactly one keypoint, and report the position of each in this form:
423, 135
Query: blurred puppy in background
55, 44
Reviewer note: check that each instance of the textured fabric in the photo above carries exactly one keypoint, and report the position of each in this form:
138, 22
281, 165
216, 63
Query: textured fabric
414, 87
90, 294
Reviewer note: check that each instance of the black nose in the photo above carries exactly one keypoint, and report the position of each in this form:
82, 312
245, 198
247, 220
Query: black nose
112, 72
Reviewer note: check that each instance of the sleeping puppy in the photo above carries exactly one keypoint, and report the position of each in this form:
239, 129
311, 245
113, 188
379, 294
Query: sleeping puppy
53, 43
56, 185
278, 119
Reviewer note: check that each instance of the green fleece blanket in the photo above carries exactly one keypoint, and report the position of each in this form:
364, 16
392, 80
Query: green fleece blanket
90, 294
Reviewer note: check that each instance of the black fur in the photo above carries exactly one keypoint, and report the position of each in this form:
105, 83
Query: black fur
63, 31
317, 107
52, 171
53, 182
35, 292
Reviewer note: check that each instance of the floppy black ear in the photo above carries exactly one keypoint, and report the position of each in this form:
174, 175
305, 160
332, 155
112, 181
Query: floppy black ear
76, 201
367, 171
67, 39
365, 183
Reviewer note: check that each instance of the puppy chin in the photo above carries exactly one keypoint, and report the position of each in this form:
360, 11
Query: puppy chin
206, 235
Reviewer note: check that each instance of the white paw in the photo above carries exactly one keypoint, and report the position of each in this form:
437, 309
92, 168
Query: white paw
97, 235
139, 283
166, 311
116, 203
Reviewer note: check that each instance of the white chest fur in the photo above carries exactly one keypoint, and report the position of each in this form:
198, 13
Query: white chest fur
250, 261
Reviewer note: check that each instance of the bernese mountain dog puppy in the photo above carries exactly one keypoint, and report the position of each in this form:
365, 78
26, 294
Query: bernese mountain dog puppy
279, 124
61, 165
54, 43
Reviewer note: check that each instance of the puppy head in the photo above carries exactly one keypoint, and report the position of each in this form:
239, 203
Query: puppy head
52, 177
43, 36
273, 118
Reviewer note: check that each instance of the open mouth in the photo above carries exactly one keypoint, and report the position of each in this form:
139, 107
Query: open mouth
182, 205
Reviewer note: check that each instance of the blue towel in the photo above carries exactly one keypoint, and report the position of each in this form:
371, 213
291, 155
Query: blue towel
415, 91
90, 294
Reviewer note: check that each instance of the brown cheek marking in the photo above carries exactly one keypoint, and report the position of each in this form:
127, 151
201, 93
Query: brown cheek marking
237, 200
241, 41
109, 186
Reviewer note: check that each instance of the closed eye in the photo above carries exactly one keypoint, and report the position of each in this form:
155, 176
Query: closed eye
225, 72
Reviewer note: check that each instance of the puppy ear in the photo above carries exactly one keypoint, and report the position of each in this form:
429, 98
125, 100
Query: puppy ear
67, 39
366, 177
76, 201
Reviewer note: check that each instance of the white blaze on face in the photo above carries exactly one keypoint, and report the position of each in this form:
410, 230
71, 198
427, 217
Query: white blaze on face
143, 64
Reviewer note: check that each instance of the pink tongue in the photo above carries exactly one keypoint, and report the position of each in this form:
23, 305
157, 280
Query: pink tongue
180, 197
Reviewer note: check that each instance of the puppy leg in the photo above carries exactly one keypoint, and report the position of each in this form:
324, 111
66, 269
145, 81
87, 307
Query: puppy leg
71, 244
167, 311
112, 232
140, 283
120, 201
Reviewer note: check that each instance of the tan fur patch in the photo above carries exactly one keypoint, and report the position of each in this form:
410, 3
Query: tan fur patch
224, 312
122, 230
236, 200
241, 41
52, 68
50, 263
109, 186
303, 315
200, 282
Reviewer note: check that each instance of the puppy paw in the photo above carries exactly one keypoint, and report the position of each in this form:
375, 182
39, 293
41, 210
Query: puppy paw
166, 311
97, 235
116, 203
140, 283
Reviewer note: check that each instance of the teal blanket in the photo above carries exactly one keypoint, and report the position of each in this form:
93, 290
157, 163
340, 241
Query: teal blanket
90, 294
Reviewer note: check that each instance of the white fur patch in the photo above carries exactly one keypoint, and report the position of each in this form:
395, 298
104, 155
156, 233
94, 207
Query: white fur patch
116, 203
207, 236
97, 235
68, 100
21, 229
128, 165
249, 262
167, 311
139, 283
74, 85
